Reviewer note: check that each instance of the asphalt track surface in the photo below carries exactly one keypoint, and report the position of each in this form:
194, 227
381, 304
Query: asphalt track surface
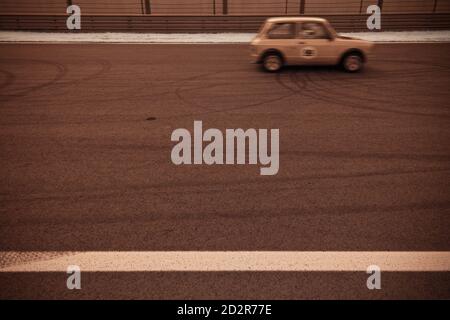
85, 166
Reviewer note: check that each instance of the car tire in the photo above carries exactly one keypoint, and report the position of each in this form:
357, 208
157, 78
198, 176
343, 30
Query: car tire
272, 62
353, 62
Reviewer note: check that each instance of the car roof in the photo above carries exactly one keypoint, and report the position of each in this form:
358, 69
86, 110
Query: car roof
295, 19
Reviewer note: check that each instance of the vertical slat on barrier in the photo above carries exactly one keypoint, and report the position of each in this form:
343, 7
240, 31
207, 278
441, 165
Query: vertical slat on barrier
435, 6
214, 7
148, 7
286, 7
69, 3
360, 6
224, 6
302, 6
380, 4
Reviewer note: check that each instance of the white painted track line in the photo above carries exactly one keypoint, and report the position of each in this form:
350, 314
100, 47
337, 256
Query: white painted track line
204, 38
141, 261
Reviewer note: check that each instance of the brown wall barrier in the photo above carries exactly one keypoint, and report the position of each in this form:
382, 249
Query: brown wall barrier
167, 24
220, 7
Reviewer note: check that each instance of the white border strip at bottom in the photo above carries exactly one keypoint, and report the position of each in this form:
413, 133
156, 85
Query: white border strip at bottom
141, 261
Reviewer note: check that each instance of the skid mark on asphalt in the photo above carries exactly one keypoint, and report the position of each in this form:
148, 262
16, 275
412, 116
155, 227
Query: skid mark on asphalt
330, 89
224, 82
61, 71
9, 78
244, 214
316, 84
58, 81
319, 84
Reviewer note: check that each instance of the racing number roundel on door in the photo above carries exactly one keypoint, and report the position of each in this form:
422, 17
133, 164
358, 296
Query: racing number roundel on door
309, 52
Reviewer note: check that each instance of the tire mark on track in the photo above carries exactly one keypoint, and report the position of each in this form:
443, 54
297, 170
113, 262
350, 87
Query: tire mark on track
242, 107
61, 72
232, 185
9, 79
105, 66
287, 211
369, 85
308, 91
336, 100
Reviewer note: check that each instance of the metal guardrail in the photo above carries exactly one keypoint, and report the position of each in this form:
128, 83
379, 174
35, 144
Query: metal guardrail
183, 23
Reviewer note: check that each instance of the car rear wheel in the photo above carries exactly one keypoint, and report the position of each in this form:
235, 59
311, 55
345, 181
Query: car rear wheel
272, 62
353, 63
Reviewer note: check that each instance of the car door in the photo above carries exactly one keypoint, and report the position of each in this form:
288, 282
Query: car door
282, 36
315, 44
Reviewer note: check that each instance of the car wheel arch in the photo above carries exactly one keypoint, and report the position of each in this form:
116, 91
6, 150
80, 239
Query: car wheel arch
353, 51
272, 51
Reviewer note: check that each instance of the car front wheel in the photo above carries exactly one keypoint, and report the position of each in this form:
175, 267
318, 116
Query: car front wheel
353, 63
272, 62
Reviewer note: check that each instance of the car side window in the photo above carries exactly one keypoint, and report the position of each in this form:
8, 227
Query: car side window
282, 31
313, 30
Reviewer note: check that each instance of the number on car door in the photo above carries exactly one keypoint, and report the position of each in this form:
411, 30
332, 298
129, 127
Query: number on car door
315, 45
